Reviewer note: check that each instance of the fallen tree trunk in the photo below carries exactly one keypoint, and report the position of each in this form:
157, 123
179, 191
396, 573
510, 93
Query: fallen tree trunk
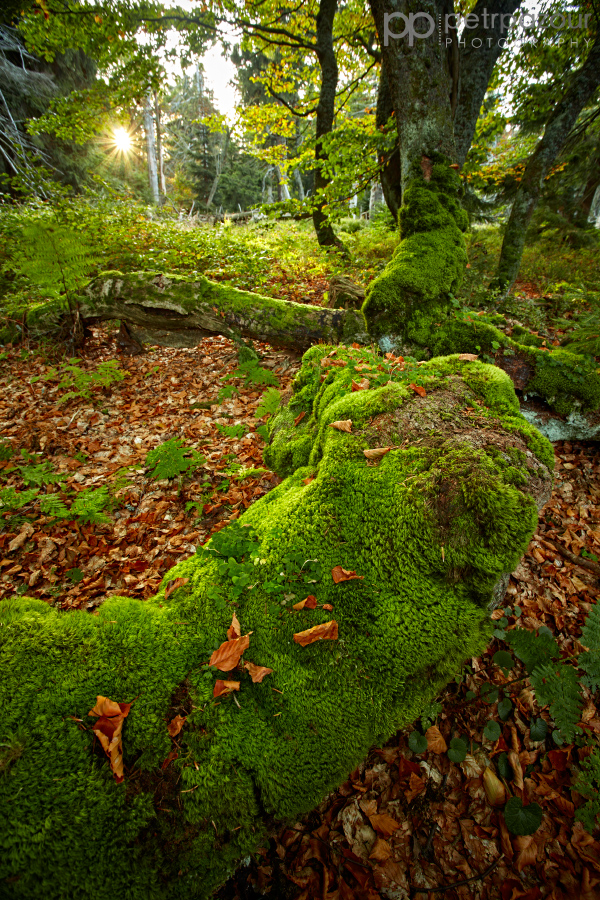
175, 311
400, 512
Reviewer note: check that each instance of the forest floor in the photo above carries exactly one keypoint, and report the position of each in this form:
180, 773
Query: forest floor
404, 824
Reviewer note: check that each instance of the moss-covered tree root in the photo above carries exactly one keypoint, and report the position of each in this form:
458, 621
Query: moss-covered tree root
180, 311
430, 526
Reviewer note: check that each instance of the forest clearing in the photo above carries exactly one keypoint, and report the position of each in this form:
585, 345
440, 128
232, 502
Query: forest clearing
299, 471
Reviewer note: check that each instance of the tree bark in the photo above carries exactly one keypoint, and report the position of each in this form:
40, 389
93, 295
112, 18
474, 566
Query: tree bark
151, 150
476, 64
391, 179
159, 147
324, 119
563, 118
175, 312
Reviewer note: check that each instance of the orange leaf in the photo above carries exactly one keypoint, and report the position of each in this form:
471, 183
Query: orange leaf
225, 687
356, 346
234, 631
172, 755
328, 607
328, 631
309, 602
342, 425
418, 389
299, 418
435, 741
527, 851
108, 730
360, 385
338, 574
257, 673
384, 824
175, 725
381, 850
173, 585
308, 480
228, 655
471, 357
377, 452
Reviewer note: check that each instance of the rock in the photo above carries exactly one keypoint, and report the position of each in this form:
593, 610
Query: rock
344, 293
423, 534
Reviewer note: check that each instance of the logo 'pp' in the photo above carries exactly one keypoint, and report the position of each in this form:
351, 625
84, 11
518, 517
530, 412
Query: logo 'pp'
409, 27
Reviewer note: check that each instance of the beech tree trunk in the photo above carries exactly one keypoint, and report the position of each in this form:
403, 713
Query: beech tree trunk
151, 150
559, 125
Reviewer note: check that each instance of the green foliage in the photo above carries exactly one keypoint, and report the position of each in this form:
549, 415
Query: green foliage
252, 374
269, 403
557, 685
492, 730
53, 505
587, 784
80, 382
430, 714
11, 499
90, 505
417, 742
457, 750
172, 459
533, 649
522, 820
233, 431
40, 474
504, 708
590, 638
538, 729
53, 256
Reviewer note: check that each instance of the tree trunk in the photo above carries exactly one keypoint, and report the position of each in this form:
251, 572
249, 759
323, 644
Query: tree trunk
563, 118
151, 150
476, 62
176, 312
324, 120
159, 146
391, 176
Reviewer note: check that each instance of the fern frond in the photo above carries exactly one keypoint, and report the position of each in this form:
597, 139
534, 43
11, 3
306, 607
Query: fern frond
587, 784
52, 505
269, 403
40, 474
586, 336
532, 648
12, 499
90, 504
556, 685
54, 256
590, 638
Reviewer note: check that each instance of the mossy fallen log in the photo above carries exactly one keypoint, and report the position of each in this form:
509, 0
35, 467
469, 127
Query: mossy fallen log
180, 311
427, 499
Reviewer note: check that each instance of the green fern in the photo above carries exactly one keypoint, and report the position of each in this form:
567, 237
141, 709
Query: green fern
52, 505
252, 374
232, 431
12, 499
40, 474
54, 257
89, 506
556, 685
590, 660
82, 381
587, 784
532, 648
169, 460
586, 336
269, 403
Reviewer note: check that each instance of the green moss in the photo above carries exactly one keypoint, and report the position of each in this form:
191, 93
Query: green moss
431, 528
412, 294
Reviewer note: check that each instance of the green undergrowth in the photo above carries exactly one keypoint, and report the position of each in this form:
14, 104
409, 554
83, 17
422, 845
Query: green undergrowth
428, 528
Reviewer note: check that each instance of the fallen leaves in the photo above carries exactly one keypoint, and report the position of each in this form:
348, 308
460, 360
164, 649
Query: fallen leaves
342, 425
173, 585
435, 740
309, 602
493, 787
235, 630
327, 631
362, 385
470, 357
108, 729
339, 575
299, 418
228, 655
418, 389
25, 532
225, 687
377, 452
384, 824
175, 725
257, 673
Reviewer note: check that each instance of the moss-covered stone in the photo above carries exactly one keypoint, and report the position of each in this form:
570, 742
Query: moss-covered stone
412, 294
430, 527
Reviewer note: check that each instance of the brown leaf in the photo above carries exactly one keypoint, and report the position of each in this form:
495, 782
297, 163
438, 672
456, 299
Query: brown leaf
175, 725
309, 602
362, 385
108, 730
328, 607
299, 418
339, 574
172, 755
435, 740
257, 673
493, 787
229, 654
342, 425
173, 585
327, 631
25, 532
308, 479
381, 851
418, 389
225, 687
526, 848
384, 824
513, 758
470, 357
234, 631
377, 452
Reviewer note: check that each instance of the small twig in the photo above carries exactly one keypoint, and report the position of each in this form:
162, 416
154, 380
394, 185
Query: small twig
450, 887
576, 560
